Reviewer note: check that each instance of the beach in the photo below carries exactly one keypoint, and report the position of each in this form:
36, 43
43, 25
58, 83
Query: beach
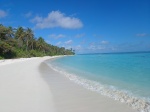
29, 85
21, 87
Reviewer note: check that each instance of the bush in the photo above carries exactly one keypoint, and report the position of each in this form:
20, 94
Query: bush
34, 53
1, 57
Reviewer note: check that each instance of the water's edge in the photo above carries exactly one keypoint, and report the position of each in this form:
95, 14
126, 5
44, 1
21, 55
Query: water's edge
138, 103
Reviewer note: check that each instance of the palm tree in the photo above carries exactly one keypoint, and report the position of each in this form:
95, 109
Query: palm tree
10, 32
28, 37
19, 36
32, 43
3, 32
41, 44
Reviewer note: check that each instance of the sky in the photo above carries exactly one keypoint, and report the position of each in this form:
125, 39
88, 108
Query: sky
87, 26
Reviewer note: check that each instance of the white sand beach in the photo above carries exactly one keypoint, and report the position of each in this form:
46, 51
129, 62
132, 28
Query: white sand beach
29, 85
21, 87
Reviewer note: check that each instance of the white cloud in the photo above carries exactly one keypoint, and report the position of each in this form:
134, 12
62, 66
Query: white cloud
78, 47
37, 19
104, 42
3, 13
92, 47
98, 46
69, 42
68, 47
27, 15
79, 35
47, 41
56, 36
141, 34
101, 47
58, 43
57, 19
83, 42
92, 43
97, 36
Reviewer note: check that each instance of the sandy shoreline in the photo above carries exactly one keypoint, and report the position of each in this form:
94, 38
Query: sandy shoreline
70, 97
21, 87
31, 86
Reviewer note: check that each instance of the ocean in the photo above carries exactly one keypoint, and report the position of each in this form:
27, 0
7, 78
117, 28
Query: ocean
122, 76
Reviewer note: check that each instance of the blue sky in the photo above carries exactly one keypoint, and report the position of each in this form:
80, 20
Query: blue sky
88, 26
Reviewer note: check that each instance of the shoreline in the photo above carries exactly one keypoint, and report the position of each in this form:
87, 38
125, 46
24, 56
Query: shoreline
138, 103
30, 85
71, 97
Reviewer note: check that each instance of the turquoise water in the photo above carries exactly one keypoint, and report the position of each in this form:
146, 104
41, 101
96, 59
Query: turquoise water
121, 76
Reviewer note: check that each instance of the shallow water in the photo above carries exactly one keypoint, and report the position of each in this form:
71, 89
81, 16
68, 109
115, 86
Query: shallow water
124, 76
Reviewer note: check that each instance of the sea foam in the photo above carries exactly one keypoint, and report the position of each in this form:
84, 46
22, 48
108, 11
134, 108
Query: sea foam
138, 103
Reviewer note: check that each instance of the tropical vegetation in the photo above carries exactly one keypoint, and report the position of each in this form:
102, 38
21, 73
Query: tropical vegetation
21, 42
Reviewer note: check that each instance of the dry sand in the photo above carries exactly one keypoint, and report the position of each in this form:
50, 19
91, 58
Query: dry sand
21, 87
29, 85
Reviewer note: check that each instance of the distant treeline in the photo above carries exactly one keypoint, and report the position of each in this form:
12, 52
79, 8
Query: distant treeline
20, 42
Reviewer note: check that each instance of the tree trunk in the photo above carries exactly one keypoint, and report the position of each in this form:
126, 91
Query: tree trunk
27, 46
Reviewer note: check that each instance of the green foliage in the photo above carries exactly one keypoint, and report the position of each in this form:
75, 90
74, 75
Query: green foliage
34, 53
6, 50
17, 43
1, 57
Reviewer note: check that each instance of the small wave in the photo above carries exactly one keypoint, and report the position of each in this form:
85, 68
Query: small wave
138, 103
